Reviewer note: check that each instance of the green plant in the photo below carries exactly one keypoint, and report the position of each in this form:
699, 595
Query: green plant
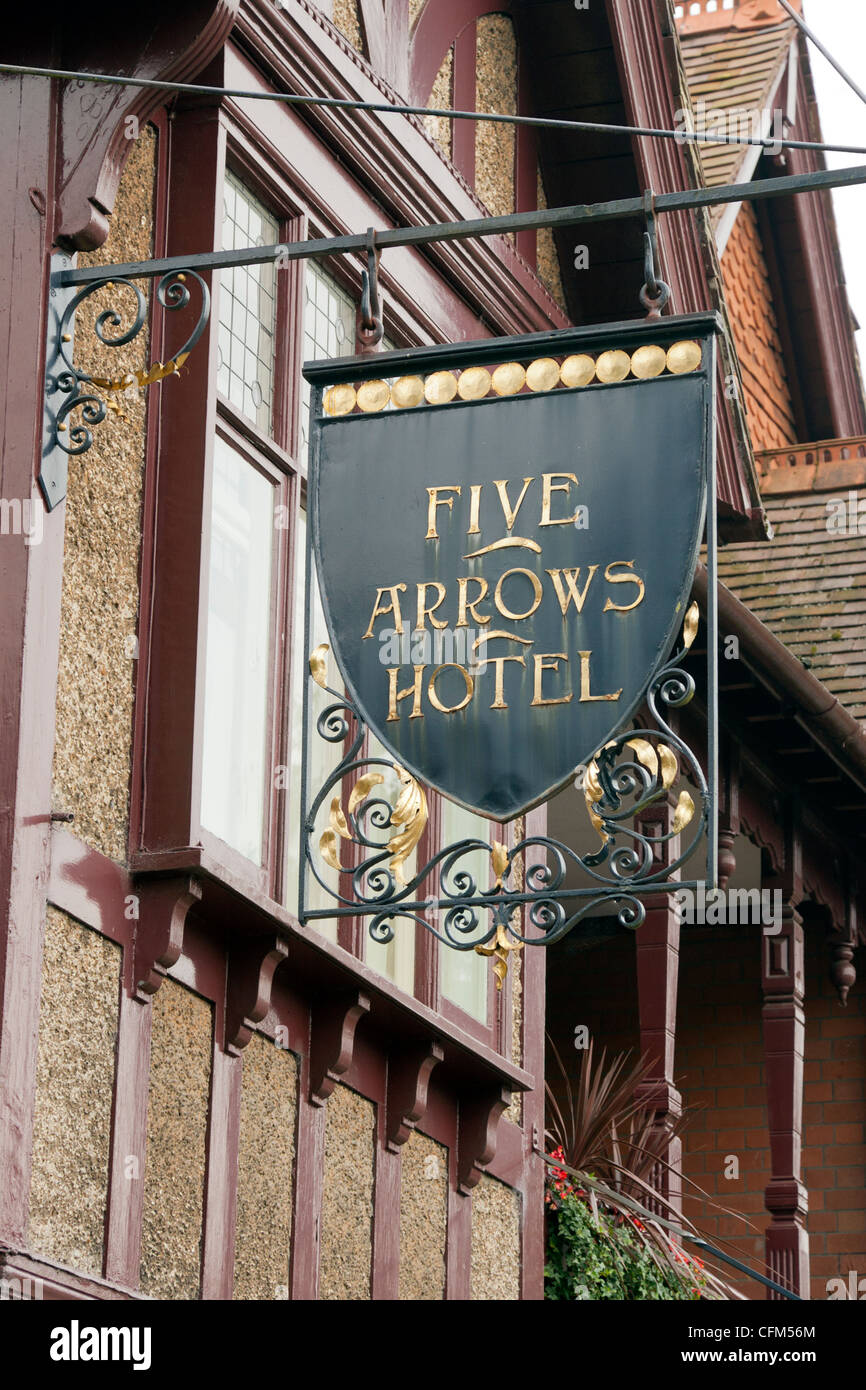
590, 1257
608, 1226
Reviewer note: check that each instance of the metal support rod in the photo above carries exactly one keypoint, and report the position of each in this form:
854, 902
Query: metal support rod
801, 24
681, 137
612, 211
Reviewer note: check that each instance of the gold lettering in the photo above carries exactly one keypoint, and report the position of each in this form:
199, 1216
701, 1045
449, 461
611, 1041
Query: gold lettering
502, 488
536, 588
425, 611
498, 690
414, 690
574, 594
437, 501
474, 508
584, 682
547, 489
464, 604
610, 606
434, 698
548, 661
392, 607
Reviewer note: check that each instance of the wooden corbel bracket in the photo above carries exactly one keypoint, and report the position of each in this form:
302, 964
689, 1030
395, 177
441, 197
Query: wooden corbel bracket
408, 1091
477, 1130
252, 964
162, 912
332, 1042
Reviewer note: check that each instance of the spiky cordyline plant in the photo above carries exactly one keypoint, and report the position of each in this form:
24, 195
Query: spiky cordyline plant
607, 1139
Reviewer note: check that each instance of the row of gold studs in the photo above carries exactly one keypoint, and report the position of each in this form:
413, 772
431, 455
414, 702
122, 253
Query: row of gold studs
474, 383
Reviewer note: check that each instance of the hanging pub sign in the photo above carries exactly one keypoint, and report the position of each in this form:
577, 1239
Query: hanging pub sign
505, 536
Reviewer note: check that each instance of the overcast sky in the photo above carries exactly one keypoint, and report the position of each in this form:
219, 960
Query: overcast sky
841, 27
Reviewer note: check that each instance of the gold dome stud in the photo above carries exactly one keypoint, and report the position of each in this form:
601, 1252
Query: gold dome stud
648, 361
684, 357
613, 365
339, 400
474, 383
407, 391
440, 388
373, 395
508, 378
543, 374
577, 370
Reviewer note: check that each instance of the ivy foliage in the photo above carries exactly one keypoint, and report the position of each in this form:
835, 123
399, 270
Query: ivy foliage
601, 1257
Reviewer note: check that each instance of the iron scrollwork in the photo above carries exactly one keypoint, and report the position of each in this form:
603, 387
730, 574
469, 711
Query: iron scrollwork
367, 844
95, 396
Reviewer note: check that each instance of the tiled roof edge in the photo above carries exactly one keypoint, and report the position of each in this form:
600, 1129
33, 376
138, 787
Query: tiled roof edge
819, 711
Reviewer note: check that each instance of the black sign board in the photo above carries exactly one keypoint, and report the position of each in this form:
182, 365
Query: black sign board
505, 536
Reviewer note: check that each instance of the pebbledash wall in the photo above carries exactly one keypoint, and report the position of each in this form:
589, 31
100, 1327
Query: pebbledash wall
138, 1192
92, 769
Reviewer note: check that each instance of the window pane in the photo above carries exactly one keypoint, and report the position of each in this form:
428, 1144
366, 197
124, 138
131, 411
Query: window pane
464, 976
247, 308
324, 756
237, 662
396, 960
329, 329
322, 291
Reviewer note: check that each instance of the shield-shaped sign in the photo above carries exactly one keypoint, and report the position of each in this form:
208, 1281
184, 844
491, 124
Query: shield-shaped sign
505, 536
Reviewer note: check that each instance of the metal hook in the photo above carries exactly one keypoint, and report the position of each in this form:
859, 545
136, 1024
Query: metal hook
371, 328
654, 293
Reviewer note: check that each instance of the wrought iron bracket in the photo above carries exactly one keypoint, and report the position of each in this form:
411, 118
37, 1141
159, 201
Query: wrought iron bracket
76, 401
637, 769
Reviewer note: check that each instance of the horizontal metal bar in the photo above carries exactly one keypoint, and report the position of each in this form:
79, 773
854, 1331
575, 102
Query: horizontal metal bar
624, 890
682, 136
481, 226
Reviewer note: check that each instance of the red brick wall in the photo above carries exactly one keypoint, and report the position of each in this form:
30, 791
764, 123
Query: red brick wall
597, 988
834, 1155
720, 1065
756, 335
720, 1069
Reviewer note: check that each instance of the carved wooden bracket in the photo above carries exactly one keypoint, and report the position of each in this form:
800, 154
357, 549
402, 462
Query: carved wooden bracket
99, 123
761, 819
252, 964
162, 912
842, 946
408, 1089
332, 1044
478, 1126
